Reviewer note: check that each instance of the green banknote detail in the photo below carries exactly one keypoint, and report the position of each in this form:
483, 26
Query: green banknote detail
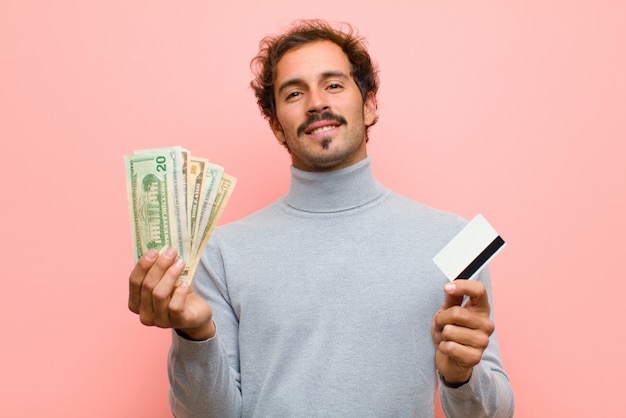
157, 201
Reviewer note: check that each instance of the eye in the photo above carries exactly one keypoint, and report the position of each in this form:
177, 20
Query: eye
292, 95
334, 87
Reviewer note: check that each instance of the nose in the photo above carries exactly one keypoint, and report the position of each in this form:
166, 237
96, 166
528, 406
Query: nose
317, 102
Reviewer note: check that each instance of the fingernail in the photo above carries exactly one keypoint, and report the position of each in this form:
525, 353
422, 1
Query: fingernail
179, 262
449, 287
170, 252
151, 254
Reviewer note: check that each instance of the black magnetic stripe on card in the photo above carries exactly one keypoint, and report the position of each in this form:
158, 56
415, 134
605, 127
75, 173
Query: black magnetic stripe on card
481, 258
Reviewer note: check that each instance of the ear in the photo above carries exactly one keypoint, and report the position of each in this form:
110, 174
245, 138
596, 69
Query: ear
278, 131
370, 108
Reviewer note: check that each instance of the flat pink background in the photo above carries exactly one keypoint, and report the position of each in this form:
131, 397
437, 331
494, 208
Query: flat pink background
514, 109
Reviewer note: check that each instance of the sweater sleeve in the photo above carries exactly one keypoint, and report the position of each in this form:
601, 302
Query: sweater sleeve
204, 375
488, 392
201, 381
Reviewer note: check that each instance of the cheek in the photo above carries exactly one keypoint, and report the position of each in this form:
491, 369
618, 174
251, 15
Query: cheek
289, 122
283, 116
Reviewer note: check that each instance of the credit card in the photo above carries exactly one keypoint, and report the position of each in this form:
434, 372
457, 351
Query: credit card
470, 250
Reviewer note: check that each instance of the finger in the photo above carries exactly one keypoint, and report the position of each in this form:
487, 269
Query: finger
476, 338
465, 356
473, 289
462, 317
152, 279
191, 314
136, 279
451, 299
162, 294
177, 301
183, 314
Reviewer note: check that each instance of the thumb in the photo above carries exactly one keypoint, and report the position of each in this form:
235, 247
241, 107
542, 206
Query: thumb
452, 299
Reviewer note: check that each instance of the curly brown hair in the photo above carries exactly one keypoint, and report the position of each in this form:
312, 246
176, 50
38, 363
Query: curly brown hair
273, 47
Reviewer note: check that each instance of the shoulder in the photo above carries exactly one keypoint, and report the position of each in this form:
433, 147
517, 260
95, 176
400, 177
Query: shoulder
405, 207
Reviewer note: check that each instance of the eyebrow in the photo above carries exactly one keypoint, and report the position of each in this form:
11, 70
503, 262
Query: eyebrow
323, 76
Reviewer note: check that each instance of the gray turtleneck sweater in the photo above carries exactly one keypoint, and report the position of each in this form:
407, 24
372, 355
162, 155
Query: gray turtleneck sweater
323, 303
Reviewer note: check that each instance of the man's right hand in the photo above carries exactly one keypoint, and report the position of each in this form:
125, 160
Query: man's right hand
159, 301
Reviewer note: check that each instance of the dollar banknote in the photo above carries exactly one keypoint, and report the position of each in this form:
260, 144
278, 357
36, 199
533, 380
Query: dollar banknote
213, 176
195, 192
225, 188
174, 200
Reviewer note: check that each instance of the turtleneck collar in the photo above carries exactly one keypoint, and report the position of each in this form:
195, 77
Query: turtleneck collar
333, 191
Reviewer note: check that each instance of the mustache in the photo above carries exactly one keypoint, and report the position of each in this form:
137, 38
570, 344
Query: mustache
316, 117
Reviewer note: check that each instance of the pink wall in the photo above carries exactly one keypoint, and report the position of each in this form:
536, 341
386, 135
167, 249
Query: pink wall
513, 109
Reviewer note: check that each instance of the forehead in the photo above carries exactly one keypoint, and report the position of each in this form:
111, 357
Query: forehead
312, 60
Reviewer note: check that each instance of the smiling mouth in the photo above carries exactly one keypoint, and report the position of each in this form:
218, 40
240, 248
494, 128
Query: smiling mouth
322, 129
319, 123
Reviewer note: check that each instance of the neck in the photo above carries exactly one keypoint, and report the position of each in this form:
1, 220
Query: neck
333, 191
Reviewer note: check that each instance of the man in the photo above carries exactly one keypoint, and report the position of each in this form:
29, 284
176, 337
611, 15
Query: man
327, 302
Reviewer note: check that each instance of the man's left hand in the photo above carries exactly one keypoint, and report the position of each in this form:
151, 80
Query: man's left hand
460, 331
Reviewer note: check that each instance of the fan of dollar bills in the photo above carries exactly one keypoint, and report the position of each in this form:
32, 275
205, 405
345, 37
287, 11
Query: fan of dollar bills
175, 200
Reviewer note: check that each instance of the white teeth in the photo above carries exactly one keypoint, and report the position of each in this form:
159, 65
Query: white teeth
322, 129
